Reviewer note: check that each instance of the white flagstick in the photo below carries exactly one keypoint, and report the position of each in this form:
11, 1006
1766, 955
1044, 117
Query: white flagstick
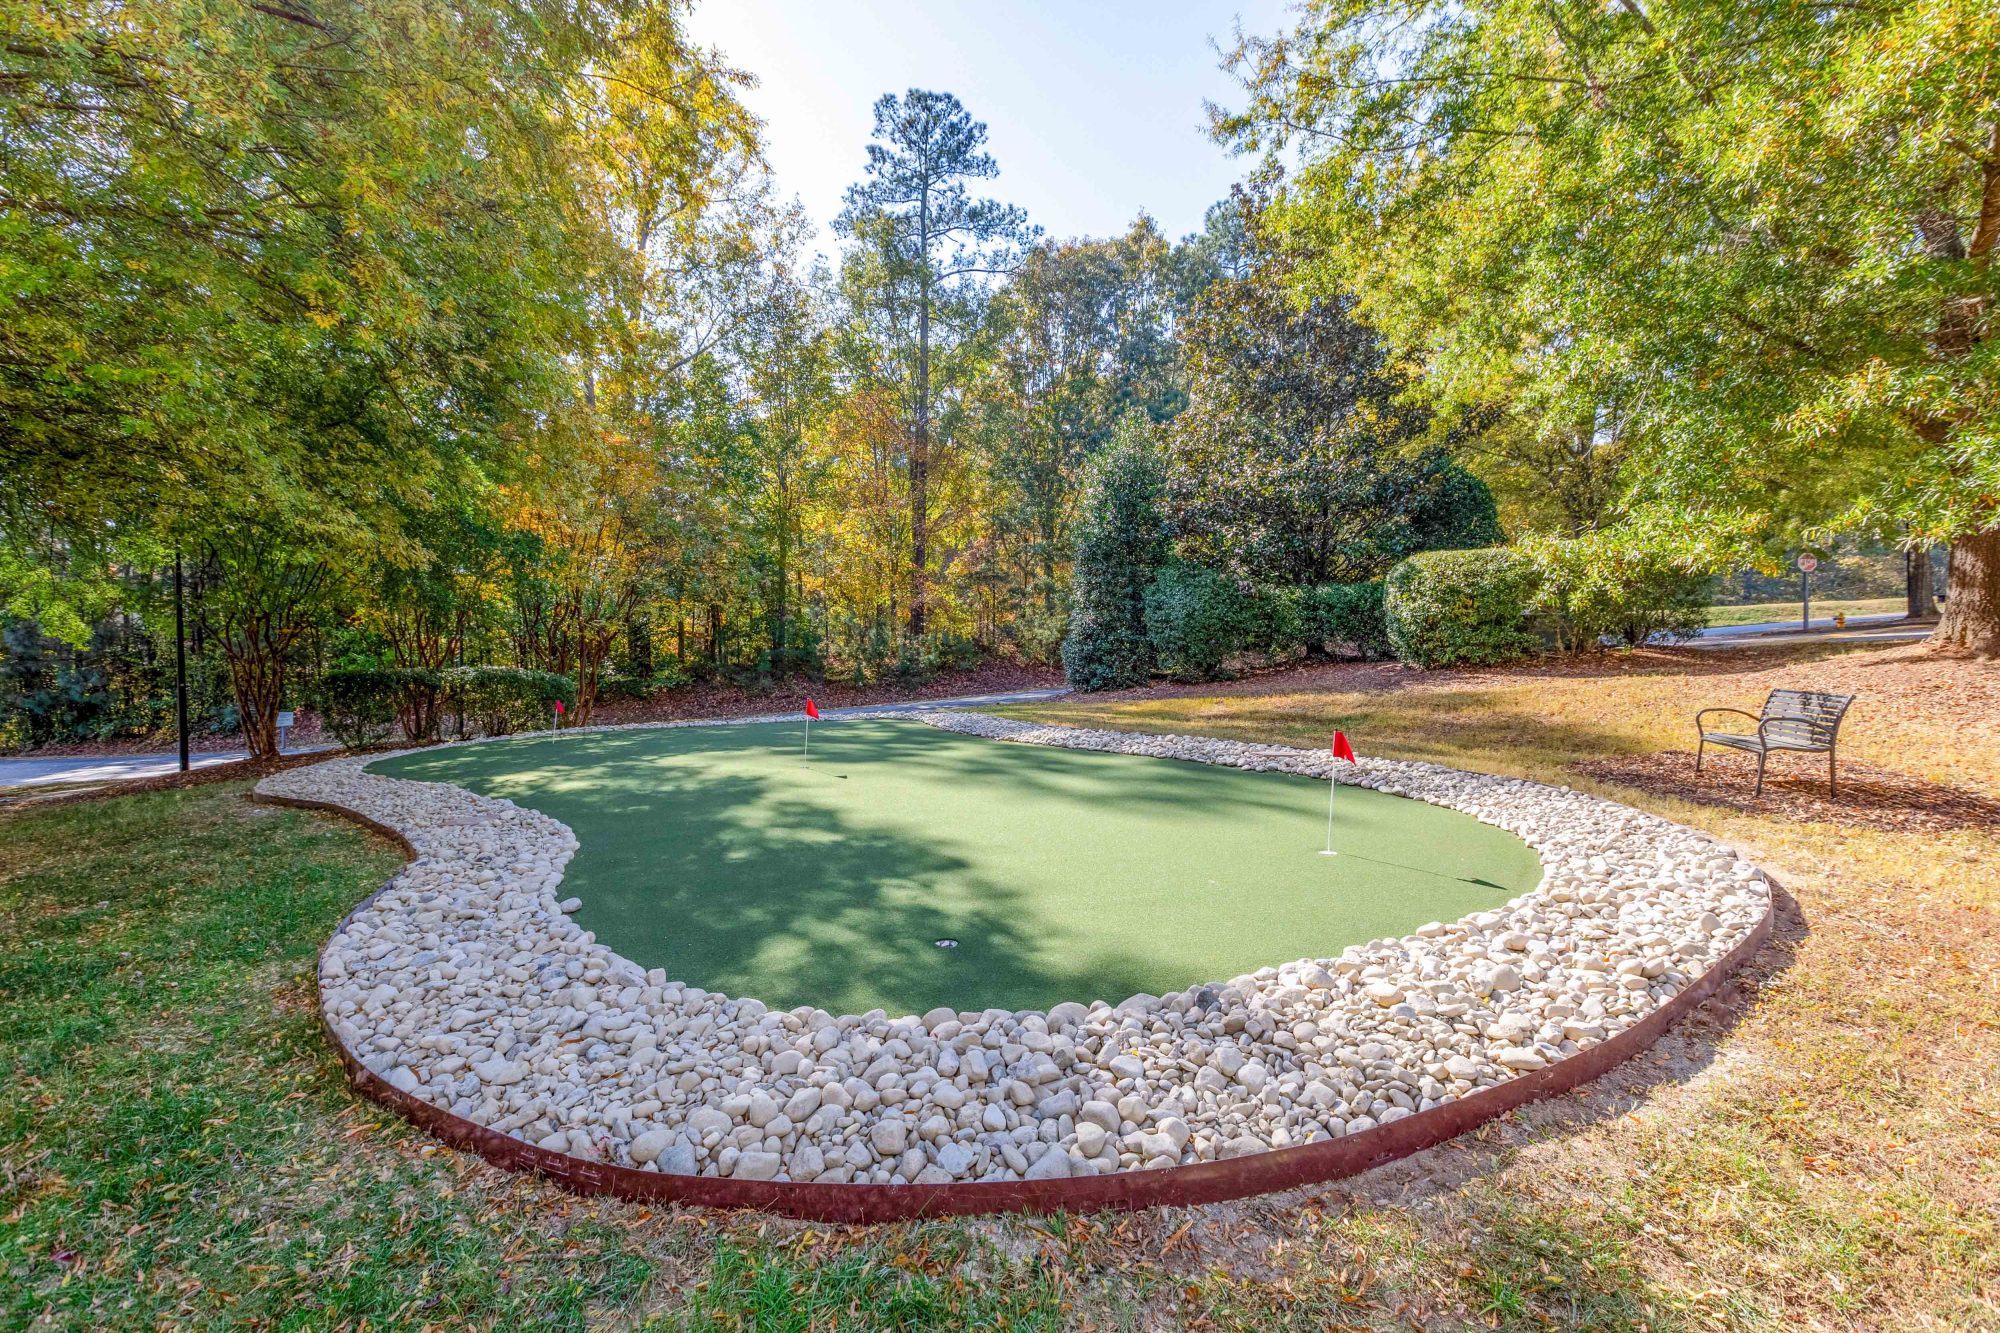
805, 750
1332, 781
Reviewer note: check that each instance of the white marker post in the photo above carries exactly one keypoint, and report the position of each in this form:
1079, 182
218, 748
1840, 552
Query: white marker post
805, 749
1332, 782
1341, 750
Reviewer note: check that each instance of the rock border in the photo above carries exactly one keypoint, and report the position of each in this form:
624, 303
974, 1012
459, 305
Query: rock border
565, 1059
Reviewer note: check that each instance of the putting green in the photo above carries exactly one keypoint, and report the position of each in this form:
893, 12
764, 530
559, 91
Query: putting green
719, 855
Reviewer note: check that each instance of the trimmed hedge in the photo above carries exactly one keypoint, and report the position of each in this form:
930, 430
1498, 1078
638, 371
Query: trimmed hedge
500, 700
1346, 616
359, 705
1446, 608
1198, 618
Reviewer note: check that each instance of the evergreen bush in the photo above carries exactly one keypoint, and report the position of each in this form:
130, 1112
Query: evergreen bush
1448, 608
1121, 544
1346, 616
358, 704
500, 700
1199, 618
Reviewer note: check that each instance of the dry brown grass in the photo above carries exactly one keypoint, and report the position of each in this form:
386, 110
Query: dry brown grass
1819, 1151
1815, 1148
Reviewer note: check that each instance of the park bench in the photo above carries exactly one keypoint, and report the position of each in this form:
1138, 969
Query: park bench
1807, 721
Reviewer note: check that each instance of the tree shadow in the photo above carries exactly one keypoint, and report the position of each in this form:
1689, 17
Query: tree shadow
751, 883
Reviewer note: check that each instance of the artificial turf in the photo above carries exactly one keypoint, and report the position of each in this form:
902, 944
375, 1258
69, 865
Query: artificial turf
721, 855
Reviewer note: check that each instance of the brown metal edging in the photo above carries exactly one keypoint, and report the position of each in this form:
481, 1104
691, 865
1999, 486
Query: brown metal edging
1200, 1182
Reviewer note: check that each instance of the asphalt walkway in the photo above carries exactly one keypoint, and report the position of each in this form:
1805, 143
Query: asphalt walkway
86, 768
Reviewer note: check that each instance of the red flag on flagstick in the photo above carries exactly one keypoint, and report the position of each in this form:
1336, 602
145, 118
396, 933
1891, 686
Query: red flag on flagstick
1341, 749
812, 710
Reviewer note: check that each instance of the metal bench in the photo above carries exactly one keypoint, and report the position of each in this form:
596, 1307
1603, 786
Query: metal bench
1804, 720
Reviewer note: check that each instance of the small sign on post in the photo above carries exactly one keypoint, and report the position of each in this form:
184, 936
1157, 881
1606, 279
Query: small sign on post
284, 725
1807, 562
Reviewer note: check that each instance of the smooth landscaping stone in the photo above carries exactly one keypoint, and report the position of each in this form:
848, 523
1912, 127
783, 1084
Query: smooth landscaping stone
466, 983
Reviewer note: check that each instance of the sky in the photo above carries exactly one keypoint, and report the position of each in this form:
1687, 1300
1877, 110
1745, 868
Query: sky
1093, 107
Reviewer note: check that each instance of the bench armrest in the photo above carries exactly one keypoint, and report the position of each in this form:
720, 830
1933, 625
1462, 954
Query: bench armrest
1737, 711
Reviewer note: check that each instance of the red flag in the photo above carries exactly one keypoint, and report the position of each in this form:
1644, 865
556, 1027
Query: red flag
559, 708
812, 710
1341, 749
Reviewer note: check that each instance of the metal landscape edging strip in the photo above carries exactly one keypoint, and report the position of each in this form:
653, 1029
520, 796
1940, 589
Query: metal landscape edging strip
1195, 1183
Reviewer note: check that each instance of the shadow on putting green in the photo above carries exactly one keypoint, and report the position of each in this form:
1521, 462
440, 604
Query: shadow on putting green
720, 855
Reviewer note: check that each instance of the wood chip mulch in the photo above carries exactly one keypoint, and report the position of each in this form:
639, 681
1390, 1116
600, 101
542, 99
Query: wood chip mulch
1795, 789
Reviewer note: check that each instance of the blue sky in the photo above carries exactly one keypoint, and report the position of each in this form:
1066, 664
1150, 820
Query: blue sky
1094, 107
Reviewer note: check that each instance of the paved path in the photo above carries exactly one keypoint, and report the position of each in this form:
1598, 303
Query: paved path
1860, 629
32, 772
966, 701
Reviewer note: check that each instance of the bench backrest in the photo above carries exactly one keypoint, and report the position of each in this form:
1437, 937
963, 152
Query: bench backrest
1804, 717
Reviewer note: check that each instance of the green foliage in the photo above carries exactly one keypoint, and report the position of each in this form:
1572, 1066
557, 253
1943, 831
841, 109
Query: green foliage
1346, 616
1121, 543
1037, 633
925, 249
360, 705
1598, 587
1457, 514
1453, 608
1299, 459
1199, 618
501, 700
1748, 247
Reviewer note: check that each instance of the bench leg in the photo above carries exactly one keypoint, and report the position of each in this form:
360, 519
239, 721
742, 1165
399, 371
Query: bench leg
1761, 757
1699, 747
1832, 782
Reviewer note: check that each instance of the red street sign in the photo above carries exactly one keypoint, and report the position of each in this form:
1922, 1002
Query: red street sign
1808, 563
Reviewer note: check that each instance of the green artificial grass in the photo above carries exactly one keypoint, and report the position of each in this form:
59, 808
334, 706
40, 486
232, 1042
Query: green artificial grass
719, 854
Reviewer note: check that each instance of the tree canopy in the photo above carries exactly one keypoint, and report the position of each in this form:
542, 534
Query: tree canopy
1752, 243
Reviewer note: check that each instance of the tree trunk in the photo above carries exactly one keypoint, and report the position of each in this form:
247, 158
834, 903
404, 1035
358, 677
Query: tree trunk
781, 582
1919, 588
1971, 619
257, 675
920, 469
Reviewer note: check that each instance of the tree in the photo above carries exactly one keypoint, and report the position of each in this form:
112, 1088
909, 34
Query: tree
268, 591
1299, 459
1084, 331
1121, 544
933, 237
787, 353
1768, 228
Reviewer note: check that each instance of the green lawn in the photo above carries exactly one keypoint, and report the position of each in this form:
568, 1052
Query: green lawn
1757, 613
722, 856
178, 1148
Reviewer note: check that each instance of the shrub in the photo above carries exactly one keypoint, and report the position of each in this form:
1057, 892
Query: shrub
358, 704
615, 684
1121, 542
1444, 608
1199, 618
1346, 615
498, 700
1037, 633
1596, 587
948, 651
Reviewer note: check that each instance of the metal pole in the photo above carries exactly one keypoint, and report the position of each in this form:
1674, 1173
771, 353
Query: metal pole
1332, 783
180, 665
1805, 600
